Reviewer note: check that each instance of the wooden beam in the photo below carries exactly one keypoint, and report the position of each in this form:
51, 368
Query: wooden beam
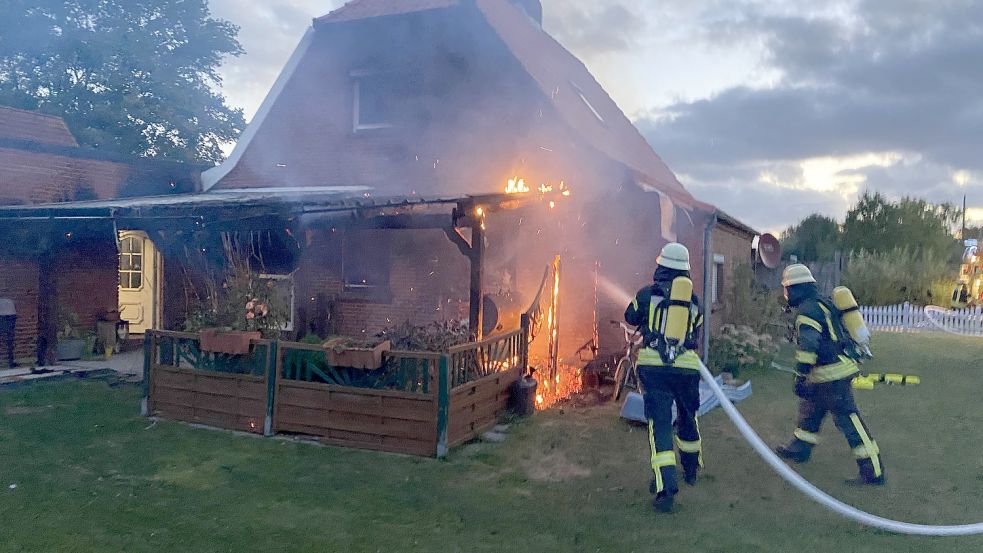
475, 252
477, 258
458, 239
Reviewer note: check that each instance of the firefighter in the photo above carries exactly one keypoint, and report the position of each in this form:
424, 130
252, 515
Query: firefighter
960, 297
669, 377
825, 375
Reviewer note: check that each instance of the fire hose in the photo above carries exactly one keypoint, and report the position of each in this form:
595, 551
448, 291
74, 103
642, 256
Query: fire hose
820, 496
931, 314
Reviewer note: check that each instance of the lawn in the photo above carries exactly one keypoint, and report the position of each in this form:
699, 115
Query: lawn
91, 475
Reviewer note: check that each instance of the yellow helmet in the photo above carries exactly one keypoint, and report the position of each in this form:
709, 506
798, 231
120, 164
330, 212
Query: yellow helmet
674, 256
797, 274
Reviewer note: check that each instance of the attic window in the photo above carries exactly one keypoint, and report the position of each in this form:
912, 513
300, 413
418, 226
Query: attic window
590, 106
373, 101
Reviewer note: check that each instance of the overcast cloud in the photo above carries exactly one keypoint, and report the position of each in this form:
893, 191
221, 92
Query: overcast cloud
893, 84
770, 109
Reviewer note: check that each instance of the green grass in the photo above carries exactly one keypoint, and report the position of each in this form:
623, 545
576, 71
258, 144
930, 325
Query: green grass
93, 476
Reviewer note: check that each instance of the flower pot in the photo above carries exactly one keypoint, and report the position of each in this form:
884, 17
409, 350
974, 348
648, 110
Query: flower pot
70, 350
357, 358
231, 342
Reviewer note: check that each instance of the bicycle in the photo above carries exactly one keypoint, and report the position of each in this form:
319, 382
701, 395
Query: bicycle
625, 374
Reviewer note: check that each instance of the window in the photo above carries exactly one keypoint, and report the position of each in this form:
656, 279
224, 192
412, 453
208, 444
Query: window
283, 293
374, 99
131, 263
717, 280
366, 263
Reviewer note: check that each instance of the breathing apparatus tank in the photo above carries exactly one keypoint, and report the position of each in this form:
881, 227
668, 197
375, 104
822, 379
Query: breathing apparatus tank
853, 320
675, 325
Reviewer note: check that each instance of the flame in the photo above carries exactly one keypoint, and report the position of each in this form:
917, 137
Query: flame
552, 204
544, 188
516, 186
567, 383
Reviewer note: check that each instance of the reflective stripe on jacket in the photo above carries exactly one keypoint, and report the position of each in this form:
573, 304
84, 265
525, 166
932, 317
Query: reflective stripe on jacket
821, 345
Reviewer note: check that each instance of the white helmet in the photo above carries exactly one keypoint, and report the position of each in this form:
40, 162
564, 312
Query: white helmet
674, 256
797, 274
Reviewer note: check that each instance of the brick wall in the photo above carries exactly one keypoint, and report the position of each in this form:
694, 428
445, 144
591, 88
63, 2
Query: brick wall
735, 247
87, 280
29, 177
19, 282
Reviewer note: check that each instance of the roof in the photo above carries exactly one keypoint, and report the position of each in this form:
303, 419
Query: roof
580, 101
735, 224
30, 126
577, 96
365, 9
250, 203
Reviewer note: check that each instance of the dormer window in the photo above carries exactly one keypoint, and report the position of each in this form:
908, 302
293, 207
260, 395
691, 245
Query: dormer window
373, 100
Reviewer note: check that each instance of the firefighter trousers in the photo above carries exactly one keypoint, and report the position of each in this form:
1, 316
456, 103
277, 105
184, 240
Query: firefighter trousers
836, 398
661, 387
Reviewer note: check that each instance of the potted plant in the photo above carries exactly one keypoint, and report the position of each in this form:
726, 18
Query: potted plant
244, 308
71, 341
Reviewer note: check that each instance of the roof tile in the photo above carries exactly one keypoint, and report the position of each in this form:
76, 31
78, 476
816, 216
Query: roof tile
29, 126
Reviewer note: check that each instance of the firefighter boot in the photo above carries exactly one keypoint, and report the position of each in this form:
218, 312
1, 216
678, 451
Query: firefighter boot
867, 475
662, 502
796, 451
691, 467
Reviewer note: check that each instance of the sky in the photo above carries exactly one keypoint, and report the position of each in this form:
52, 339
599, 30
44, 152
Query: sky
769, 109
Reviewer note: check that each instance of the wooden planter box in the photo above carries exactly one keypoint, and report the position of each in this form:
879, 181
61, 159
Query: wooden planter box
356, 358
230, 342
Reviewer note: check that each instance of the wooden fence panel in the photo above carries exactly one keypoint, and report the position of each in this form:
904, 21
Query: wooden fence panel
234, 402
474, 407
397, 422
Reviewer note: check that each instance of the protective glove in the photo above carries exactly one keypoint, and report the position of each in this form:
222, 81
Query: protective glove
802, 387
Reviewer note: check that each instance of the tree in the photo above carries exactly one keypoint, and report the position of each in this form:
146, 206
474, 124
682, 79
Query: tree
131, 76
816, 238
877, 225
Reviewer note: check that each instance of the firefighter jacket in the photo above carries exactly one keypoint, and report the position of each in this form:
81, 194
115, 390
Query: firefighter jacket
645, 313
821, 337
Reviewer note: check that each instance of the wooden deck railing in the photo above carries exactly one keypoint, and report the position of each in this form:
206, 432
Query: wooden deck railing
417, 402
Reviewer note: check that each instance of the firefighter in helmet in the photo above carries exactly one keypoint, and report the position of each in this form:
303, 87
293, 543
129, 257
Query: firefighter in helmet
826, 372
668, 370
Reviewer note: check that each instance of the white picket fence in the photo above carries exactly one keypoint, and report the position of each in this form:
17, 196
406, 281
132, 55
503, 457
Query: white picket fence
913, 318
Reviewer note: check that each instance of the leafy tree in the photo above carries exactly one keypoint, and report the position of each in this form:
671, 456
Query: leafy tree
130, 76
877, 225
816, 238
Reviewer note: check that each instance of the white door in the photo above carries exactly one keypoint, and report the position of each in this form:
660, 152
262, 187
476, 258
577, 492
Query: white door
139, 281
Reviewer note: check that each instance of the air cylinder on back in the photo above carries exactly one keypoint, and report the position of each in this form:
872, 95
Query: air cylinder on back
677, 316
853, 320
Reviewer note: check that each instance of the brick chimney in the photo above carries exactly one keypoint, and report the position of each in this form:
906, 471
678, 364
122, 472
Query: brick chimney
533, 8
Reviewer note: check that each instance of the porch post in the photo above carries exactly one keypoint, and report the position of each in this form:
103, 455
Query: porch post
148, 358
476, 256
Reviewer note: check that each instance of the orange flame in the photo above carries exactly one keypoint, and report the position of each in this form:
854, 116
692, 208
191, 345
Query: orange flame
516, 186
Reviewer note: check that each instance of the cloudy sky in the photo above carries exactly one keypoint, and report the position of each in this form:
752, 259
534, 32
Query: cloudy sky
771, 109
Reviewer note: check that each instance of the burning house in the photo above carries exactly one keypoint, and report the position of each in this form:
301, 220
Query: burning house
437, 97
421, 161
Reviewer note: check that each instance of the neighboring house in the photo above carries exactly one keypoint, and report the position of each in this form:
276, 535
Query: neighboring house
45, 268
